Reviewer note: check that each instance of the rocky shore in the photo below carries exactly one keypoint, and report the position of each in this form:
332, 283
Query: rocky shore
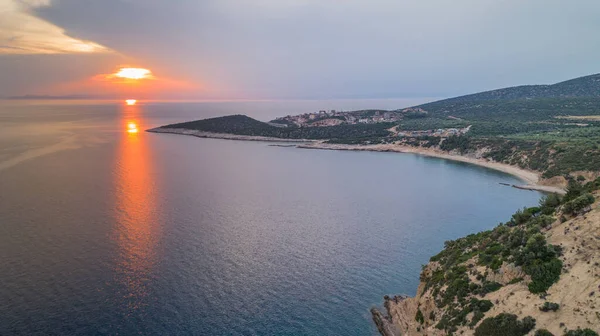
576, 293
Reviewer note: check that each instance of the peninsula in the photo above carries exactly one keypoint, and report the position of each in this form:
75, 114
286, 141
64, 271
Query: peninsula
543, 134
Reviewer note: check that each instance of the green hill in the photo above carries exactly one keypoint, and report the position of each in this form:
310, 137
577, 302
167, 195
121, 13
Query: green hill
233, 124
244, 125
587, 86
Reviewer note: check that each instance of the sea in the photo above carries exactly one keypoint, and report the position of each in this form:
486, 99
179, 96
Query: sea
109, 230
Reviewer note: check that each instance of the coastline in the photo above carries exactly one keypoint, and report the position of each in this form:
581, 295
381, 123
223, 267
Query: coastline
224, 136
531, 178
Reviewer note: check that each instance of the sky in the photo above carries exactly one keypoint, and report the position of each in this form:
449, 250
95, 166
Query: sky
293, 49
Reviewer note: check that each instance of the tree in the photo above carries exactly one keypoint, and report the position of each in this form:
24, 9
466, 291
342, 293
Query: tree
505, 325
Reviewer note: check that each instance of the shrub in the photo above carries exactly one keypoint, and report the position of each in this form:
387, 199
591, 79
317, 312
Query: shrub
477, 316
574, 189
540, 261
581, 332
515, 280
522, 216
578, 204
419, 317
543, 332
482, 305
544, 275
549, 306
505, 325
549, 203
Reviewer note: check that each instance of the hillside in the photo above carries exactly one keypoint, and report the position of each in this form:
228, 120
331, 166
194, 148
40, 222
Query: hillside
587, 86
540, 270
244, 125
233, 124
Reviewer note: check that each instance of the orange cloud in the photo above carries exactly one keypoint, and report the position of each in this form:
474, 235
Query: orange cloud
130, 82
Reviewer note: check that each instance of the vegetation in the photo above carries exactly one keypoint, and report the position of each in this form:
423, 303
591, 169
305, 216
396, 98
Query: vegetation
456, 283
505, 325
543, 332
581, 332
549, 306
419, 317
578, 204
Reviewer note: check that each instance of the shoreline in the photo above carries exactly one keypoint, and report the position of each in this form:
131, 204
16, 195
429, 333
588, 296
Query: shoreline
224, 136
530, 178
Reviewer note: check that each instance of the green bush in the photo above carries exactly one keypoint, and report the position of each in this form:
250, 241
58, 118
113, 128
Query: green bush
515, 280
489, 287
544, 275
477, 316
540, 261
505, 325
549, 306
549, 203
419, 317
574, 190
581, 332
578, 204
543, 332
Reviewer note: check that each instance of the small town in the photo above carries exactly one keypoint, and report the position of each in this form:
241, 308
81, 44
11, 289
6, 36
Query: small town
440, 132
325, 118
333, 118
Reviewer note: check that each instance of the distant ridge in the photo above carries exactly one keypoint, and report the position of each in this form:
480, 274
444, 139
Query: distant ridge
587, 86
48, 97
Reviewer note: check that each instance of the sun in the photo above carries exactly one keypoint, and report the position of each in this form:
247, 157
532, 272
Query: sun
130, 101
134, 73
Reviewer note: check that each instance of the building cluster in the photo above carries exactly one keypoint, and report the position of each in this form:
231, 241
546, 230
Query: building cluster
333, 117
440, 132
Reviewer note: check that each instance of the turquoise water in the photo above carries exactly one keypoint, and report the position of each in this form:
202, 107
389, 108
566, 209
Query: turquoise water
109, 232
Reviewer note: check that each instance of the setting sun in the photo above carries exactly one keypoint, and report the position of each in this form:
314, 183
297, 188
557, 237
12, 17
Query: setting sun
134, 73
131, 101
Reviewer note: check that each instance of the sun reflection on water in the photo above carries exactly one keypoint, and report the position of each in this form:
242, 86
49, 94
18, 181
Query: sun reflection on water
132, 127
137, 230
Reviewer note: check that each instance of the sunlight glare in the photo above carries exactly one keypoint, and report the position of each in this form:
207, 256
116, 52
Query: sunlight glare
131, 101
134, 73
132, 128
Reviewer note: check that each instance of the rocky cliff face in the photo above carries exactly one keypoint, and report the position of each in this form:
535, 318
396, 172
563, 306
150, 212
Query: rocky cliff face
465, 284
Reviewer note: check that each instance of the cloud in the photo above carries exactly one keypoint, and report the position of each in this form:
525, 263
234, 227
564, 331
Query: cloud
352, 48
23, 33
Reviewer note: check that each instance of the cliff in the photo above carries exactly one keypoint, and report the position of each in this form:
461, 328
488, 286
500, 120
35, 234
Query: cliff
540, 270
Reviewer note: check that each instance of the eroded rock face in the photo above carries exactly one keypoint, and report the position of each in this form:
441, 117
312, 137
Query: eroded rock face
384, 324
506, 273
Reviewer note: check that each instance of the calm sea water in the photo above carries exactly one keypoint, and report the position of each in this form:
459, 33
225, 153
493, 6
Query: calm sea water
108, 232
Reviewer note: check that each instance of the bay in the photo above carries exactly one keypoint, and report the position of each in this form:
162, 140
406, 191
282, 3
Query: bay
109, 230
